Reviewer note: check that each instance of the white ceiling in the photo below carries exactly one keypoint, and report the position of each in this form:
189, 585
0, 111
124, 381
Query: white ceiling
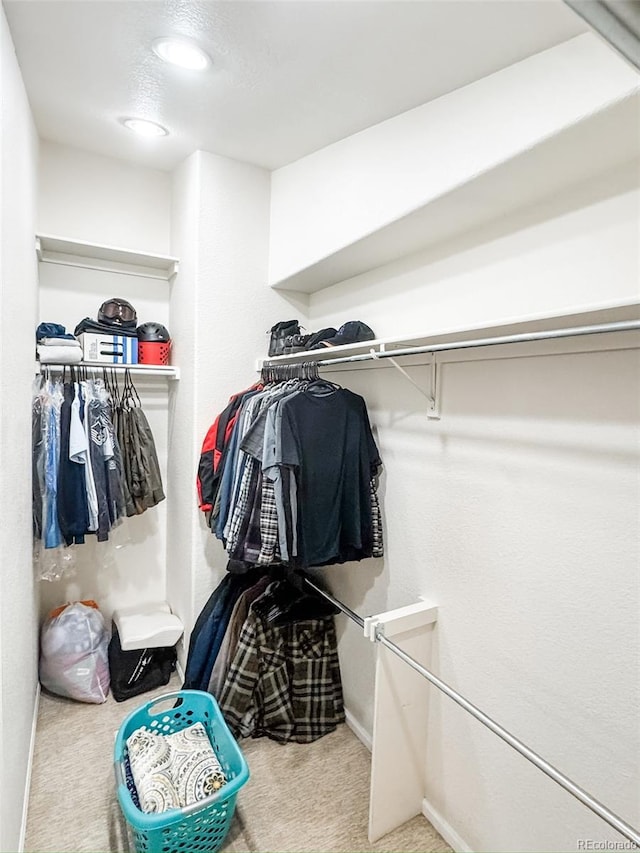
289, 76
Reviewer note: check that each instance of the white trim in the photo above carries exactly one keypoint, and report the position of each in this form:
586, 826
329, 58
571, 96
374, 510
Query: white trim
27, 784
358, 729
444, 828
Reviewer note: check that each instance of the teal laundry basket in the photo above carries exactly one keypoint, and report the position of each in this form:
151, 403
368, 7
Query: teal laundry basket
202, 826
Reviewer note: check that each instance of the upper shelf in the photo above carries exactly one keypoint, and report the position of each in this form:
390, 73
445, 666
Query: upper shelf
77, 253
600, 142
596, 315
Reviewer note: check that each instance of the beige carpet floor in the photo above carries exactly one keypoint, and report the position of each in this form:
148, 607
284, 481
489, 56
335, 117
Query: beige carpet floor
311, 797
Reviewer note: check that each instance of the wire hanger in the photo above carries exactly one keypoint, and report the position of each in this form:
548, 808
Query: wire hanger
306, 371
130, 394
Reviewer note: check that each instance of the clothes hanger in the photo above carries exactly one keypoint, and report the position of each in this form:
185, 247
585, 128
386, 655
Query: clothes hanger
323, 387
290, 603
131, 390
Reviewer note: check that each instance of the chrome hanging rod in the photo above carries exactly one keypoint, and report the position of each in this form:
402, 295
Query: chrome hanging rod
565, 782
94, 368
521, 338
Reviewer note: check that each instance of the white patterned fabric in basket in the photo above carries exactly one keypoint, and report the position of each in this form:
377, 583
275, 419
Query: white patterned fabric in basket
173, 771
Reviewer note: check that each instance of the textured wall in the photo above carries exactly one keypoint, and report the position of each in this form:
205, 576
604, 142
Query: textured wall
221, 310
354, 188
18, 300
102, 200
576, 251
517, 513
130, 568
88, 197
181, 463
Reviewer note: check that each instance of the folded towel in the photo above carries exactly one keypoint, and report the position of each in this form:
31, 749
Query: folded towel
59, 342
59, 355
173, 771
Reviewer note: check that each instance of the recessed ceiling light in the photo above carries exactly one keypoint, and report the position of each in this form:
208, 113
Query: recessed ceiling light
143, 127
181, 52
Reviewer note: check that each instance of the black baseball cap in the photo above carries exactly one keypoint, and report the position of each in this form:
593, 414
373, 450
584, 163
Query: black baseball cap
318, 337
353, 332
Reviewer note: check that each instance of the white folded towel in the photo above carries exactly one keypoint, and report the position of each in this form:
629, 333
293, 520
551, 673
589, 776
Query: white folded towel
59, 342
59, 355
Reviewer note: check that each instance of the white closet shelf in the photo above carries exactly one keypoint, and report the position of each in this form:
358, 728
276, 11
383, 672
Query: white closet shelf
601, 141
600, 314
77, 253
168, 371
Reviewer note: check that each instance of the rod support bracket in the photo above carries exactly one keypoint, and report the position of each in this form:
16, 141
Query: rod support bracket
433, 406
400, 620
432, 396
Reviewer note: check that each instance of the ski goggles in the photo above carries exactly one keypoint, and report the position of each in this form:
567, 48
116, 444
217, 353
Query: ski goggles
117, 309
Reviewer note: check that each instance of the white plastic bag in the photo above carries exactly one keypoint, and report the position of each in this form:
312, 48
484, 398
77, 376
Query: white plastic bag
73, 653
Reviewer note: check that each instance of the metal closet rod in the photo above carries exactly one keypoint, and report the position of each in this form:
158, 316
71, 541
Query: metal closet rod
523, 337
565, 782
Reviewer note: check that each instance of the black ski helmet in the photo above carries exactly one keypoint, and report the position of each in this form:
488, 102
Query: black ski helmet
153, 333
118, 312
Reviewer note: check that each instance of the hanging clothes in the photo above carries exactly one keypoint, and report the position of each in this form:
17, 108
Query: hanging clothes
213, 447
73, 509
323, 436
284, 679
104, 460
231, 636
51, 421
208, 632
37, 462
268, 652
78, 468
291, 476
142, 481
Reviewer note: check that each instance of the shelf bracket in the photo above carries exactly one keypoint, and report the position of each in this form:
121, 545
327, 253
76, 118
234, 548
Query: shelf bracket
433, 409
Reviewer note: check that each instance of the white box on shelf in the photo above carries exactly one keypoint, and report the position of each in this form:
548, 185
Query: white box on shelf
109, 349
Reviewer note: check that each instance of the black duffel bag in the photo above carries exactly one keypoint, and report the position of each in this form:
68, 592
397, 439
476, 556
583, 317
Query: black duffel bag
138, 670
278, 333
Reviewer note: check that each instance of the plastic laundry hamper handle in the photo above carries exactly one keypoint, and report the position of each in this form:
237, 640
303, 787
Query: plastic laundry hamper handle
176, 694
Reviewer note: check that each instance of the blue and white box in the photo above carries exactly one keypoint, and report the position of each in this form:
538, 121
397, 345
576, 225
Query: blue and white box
109, 349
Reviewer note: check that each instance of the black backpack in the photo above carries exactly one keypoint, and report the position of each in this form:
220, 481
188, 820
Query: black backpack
138, 670
278, 334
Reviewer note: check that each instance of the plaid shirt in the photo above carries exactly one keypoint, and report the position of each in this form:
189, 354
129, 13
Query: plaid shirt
250, 543
284, 680
377, 549
243, 514
242, 508
269, 535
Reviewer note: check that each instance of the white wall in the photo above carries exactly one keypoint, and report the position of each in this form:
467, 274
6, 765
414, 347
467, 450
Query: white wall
18, 305
575, 252
358, 186
98, 199
517, 513
221, 309
102, 200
